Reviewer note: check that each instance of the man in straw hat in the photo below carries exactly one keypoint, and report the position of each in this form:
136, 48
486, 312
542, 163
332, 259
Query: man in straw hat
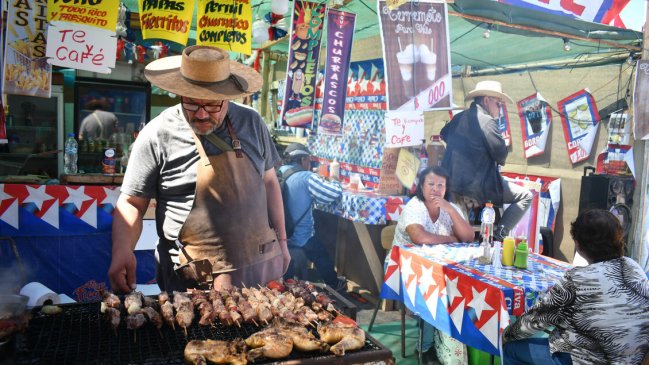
208, 162
474, 151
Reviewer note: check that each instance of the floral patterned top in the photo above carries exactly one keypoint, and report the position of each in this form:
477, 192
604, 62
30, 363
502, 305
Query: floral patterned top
416, 212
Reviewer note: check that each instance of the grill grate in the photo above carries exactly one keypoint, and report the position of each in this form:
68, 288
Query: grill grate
81, 335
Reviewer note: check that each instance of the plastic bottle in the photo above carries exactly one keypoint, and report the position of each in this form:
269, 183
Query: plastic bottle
436, 151
71, 153
508, 251
334, 169
423, 156
488, 217
521, 255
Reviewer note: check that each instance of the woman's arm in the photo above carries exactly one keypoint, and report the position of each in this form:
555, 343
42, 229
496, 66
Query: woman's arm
419, 235
461, 227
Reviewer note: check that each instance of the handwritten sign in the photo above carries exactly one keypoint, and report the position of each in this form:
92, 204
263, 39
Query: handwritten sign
388, 182
404, 128
407, 167
81, 47
96, 13
225, 24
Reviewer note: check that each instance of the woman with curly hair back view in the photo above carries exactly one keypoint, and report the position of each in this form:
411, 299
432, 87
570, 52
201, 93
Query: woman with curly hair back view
596, 314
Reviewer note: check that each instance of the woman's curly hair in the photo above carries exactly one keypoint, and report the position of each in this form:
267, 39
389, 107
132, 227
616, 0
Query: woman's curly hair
599, 235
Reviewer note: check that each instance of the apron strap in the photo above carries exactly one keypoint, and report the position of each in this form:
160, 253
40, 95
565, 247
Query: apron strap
236, 144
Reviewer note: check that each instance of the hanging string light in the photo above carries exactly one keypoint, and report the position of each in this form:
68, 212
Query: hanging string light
566, 44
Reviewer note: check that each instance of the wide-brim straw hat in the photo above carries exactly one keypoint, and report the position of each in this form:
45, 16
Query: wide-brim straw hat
487, 88
203, 72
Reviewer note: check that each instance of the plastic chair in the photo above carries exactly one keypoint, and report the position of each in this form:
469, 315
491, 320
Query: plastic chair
387, 237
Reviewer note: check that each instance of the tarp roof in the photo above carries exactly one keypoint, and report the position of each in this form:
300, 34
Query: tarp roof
509, 46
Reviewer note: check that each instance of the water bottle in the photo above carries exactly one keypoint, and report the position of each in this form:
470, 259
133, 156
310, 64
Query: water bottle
488, 218
423, 156
70, 157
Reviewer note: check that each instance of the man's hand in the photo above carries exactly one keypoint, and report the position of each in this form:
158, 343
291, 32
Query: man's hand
122, 271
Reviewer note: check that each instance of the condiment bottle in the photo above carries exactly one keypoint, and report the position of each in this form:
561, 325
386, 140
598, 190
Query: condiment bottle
334, 169
521, 255
508, 251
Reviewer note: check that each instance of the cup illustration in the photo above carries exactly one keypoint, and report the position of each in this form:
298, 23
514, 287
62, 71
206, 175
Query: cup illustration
407, 59
429, 59
535, 119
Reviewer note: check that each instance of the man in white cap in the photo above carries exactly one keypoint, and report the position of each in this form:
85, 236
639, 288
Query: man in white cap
209, 163
474, 151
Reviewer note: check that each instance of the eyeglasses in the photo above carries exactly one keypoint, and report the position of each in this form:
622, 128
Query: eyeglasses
210, 108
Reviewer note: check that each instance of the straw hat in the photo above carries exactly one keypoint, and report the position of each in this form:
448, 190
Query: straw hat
203, 72
487, 88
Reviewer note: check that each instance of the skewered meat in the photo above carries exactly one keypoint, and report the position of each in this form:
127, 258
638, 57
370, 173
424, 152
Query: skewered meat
113, 317
270, 344
184, 318
215, 352
133, 302
153, 316
163, 297
167, 311
110, 300
345, 337
135, 321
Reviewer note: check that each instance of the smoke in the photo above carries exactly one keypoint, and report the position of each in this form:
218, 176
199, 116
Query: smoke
12, 278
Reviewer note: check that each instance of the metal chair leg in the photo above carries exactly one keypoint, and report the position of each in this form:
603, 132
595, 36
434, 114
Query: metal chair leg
402, 309
420, 327
376, 309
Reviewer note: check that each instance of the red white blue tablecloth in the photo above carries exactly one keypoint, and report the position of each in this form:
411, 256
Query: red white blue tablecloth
447, 287
367, 207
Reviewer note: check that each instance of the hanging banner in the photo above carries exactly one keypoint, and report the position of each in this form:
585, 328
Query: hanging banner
304, 51
640, 95
81, 47
503, 125
535, 116
3, 122
580, 119
365, 86
100, 14
340, 33
403, 129
26, 71
168, 20
416, 53
226, 24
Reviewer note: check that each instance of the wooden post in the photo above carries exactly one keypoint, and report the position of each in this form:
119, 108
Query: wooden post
265, 73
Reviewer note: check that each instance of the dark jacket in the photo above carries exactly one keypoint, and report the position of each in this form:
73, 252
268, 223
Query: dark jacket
474, 149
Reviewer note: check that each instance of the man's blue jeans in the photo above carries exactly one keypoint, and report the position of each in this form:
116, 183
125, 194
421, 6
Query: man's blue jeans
531, 351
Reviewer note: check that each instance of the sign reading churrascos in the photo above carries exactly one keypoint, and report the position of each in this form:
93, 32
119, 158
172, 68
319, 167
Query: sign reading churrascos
302, 64
416, 53
99, 13
168, 20
225, 24
26, 71
340, 32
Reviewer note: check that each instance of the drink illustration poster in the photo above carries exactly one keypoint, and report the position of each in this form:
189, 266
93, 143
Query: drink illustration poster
580, 119
535, 116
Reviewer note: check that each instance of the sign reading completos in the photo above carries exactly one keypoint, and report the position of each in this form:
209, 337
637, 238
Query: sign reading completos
96, 13
169, 20
340, 32
225, 24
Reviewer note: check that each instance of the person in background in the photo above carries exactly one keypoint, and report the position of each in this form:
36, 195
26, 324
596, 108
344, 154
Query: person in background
304, 189
474, 151
429, 218
596, 314
100, 124
209, 163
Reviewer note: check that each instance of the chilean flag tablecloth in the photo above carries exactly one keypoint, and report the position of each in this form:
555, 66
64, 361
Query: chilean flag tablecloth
447, 287
63, 236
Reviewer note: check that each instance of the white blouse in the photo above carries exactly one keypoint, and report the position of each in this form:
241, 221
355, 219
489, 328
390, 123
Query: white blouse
416, 212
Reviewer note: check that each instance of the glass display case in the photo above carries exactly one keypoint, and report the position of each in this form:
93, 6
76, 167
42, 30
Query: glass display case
35, 135
107, 113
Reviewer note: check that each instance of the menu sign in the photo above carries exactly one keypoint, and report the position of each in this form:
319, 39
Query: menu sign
100, 13
416, 54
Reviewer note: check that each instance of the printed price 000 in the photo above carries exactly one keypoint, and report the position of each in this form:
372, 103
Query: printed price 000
436, 93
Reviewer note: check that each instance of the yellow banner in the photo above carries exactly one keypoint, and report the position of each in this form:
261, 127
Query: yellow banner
26, 71
98, 13
169, 20
226, 24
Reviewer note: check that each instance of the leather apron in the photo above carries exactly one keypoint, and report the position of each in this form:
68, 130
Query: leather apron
228, 223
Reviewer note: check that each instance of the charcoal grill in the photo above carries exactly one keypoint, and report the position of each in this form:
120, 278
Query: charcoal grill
81, 335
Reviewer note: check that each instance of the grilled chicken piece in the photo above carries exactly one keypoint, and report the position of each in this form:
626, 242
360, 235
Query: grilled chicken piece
153, 316
303, 340
270, 344
215, 352
113, 317
167, 311
110, 300
135, 321
345, 337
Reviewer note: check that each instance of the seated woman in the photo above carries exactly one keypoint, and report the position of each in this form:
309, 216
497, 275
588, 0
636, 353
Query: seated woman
597, 314
429, 218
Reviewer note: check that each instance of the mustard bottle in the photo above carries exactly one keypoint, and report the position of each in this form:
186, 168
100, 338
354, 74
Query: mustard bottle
508, 251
